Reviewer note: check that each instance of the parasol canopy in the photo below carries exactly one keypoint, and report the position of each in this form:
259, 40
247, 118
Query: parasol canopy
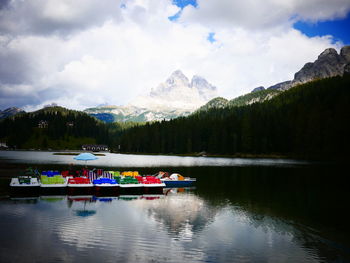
86, 157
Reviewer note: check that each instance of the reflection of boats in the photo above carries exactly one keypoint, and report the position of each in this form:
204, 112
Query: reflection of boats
152, 196
80, 198
105, 199
52, 198
53, 182
176, 190
78, 185
130, 197
25, 199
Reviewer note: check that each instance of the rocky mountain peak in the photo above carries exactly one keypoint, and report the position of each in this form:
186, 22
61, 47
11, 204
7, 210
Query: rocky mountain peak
345, 54
258, 89
328, 64
328, 52
201, 83
176, 78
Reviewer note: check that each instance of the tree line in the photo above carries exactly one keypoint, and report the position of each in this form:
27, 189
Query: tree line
308, 121
61, 128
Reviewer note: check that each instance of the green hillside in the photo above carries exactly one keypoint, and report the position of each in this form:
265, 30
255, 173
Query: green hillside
54, 128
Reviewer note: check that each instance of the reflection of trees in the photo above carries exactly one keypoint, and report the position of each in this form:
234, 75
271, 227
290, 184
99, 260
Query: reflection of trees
182, 214
306, 203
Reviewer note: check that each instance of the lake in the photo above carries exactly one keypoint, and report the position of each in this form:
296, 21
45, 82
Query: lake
241, 210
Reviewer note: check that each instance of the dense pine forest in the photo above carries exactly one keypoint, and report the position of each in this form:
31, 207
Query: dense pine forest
308, 121
55, 128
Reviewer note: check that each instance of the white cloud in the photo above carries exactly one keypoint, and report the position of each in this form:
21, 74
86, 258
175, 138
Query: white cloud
82, 60
256, 14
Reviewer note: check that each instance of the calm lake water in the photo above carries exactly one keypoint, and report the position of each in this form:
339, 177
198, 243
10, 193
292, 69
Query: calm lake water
240, 211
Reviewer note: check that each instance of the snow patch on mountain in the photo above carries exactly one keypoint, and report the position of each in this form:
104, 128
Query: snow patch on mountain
177, 92
176, 97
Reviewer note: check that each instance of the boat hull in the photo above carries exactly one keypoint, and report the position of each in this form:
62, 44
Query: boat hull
131, 189
106, 189
178, 183
53, 189
25, 190
153, 188
30, 188
79, 189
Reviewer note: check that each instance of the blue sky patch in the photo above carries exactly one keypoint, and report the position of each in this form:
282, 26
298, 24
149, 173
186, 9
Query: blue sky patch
339, 29
182, 4
211, 38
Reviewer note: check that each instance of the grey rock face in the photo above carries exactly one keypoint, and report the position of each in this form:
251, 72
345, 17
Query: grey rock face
282, 85
328, 64
347, 69
205, 89
258, 89
345, 54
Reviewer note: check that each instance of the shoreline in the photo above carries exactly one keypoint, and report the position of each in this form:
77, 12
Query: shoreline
273, 156
201, 154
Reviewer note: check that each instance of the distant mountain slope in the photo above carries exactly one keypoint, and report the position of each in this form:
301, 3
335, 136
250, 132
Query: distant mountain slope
250, 98
328, 64
135, 114
176, 97
218, 103
10, 112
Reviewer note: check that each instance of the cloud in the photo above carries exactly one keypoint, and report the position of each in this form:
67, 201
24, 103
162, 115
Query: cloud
55, 17
255, 14
113, 52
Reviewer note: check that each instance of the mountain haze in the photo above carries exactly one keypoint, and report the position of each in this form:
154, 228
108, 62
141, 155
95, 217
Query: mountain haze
177, 96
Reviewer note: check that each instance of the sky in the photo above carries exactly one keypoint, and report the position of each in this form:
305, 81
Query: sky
85, 53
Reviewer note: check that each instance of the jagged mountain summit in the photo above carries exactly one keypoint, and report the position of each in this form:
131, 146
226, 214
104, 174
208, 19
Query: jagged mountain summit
10, 112
328, 64
178, 92
177, 96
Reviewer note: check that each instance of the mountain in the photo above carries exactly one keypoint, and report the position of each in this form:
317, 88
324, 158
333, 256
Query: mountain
135, 114
218, 103
258, 89
328, 64
250, 98
307, 121
10, 112
177, 96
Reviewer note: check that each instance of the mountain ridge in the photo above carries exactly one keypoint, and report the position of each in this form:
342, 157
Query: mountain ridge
178, 96
12, 111
328, 64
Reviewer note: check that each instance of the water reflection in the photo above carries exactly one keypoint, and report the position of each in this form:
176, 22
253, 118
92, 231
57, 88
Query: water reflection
180, 213
234, 215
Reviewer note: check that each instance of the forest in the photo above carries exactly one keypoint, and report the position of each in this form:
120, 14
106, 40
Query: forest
53, 128
309, 121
